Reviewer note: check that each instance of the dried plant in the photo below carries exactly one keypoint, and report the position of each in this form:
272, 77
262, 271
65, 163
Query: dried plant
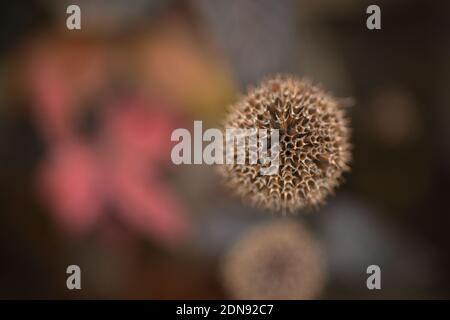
314, 144
278, 260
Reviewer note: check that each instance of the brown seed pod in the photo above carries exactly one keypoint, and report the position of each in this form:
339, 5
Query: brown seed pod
278, 260
314, 147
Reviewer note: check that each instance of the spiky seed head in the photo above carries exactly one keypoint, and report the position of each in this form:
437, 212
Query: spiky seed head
314, 144
277, 260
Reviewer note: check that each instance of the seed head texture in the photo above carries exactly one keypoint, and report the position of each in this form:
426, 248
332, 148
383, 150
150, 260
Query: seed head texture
276, 260
314, 147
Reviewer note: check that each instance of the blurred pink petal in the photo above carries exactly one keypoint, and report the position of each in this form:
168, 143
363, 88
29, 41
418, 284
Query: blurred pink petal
117, 169
70, 182
59, 75
49, 91
137, 131
150, 207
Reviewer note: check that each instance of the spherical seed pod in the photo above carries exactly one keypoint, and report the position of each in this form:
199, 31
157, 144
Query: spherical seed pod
314, 147
278, 260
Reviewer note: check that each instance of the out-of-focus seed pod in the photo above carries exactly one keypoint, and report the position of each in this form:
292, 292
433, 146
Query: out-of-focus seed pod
278, 260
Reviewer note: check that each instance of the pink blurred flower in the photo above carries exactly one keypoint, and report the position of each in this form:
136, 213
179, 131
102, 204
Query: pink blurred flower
119, 169
60, 73
71, 182
81, 179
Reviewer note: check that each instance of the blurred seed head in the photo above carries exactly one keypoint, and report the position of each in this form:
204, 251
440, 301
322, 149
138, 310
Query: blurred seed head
314, 144
392, 117
278, 260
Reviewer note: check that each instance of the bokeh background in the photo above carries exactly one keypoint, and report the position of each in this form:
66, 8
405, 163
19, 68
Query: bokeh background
85, 124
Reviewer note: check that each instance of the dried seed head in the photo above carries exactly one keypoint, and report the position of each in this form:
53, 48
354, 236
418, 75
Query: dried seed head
314, 145
279, 260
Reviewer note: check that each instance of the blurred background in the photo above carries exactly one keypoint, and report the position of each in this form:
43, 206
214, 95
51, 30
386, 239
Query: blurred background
85, 124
